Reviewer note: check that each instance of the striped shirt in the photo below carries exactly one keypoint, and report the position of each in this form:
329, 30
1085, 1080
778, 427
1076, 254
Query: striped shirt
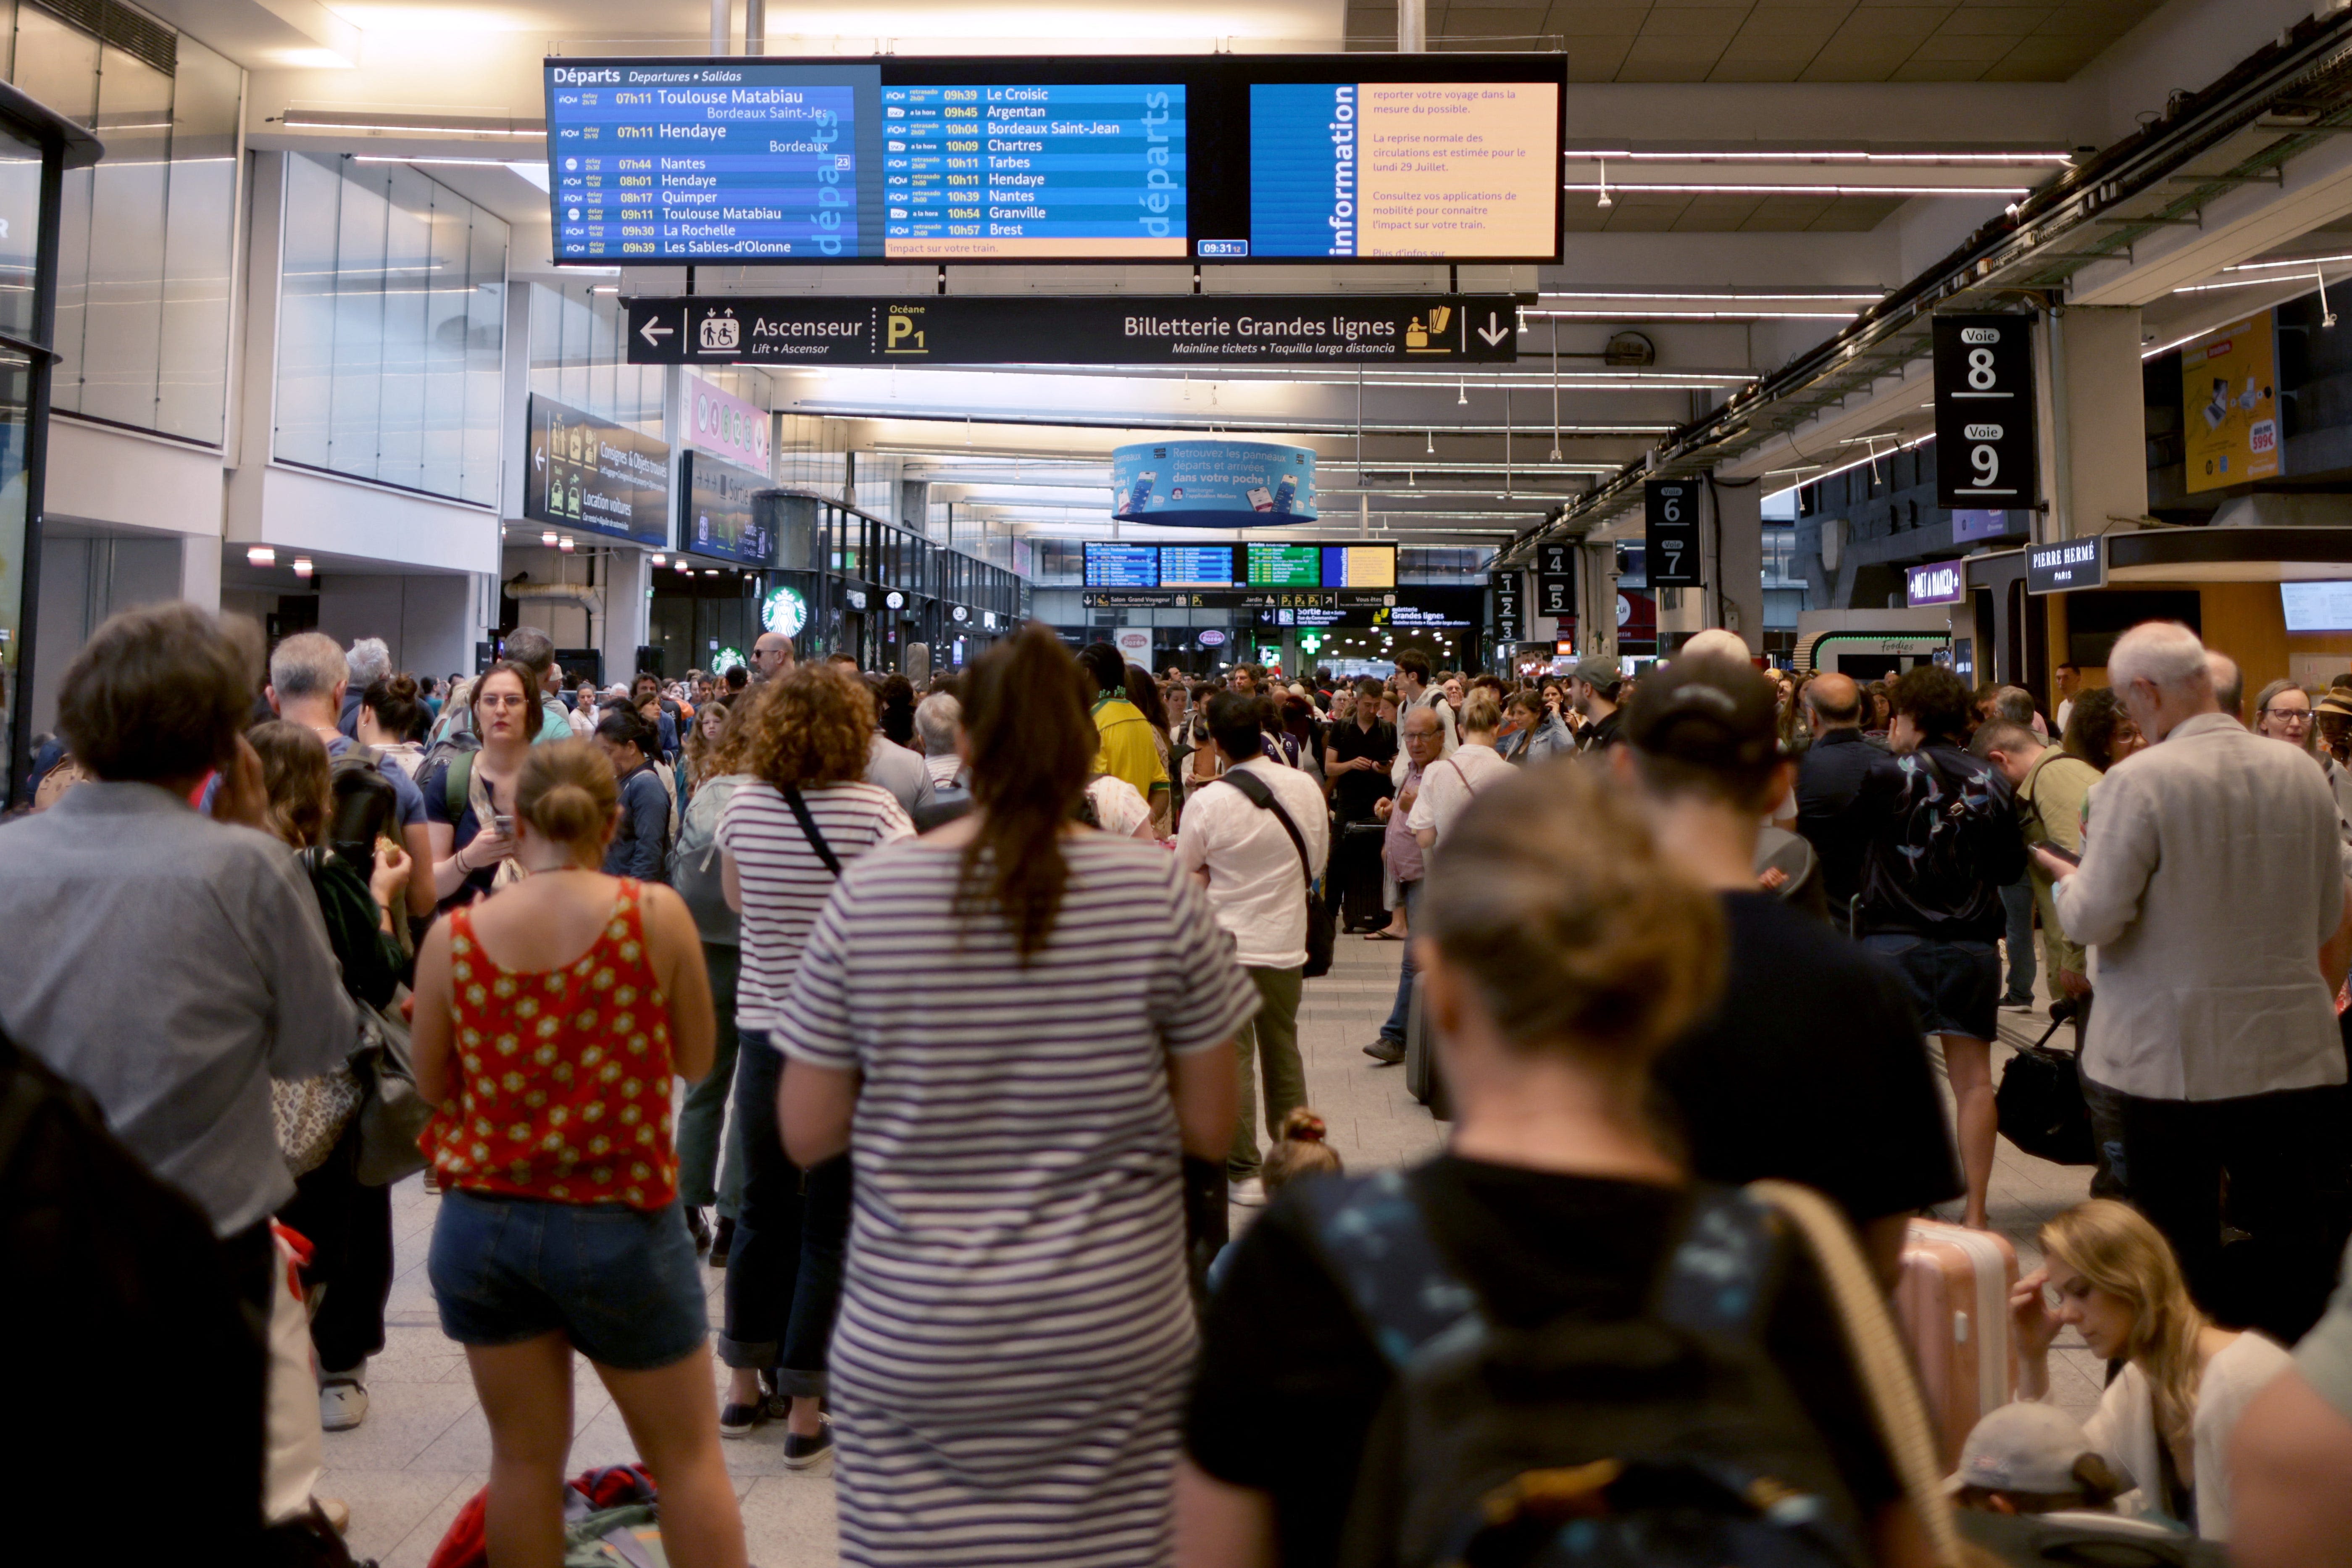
1015, 1328
784, 881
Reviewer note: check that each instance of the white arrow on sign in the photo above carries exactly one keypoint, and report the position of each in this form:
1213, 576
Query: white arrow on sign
653, 332
539, 456
1494, 331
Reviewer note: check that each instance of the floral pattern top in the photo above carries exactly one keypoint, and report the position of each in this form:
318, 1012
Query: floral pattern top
564, 1090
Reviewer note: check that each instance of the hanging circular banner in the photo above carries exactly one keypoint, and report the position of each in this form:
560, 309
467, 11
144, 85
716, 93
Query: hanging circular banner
1213, 484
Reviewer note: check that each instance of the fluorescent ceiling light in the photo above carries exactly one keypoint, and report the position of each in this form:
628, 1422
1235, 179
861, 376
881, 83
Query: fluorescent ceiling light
2291, 261
1777, 189
430, 19
1816, 157
313, 60
1872, 297
2177, 343
1696, 315
2311, 271
393, 123
260, 555
1814, 479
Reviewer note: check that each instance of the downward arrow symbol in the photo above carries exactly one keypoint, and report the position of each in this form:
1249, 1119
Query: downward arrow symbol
1494, 331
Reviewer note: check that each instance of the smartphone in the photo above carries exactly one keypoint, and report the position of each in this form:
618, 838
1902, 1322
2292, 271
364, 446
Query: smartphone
2063, 854
503, 824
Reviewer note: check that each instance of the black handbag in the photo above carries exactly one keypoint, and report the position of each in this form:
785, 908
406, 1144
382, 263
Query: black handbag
2039, 1106
1321, 938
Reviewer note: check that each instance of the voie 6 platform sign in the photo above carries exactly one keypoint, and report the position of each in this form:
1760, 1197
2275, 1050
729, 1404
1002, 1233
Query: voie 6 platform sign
1987, 453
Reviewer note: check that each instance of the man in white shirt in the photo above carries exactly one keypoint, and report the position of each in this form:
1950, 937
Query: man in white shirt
1257, 890
1448, 784
2211, 879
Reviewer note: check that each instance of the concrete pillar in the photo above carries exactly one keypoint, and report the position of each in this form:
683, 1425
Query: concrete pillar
2095, 435
200, 571
1735, 565
1596, 595
628, 575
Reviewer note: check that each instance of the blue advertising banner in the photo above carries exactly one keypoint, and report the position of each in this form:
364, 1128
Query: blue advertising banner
1970, 524
1212, 484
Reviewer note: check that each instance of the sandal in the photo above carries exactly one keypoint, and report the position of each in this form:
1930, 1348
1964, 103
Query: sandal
1383, 935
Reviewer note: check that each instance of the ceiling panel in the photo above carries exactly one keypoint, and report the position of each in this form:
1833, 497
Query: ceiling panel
1797, 40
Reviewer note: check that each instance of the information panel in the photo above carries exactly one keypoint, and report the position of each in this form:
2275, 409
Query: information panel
1122, 566
720, 519
1359, 566
1197, 566
1285, 565
590, 473
1223, 157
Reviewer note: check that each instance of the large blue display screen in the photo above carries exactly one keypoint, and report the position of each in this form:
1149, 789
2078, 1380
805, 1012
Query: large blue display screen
1219, 157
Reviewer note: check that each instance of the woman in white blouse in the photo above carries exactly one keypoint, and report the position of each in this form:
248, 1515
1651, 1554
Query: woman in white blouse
2166, 1417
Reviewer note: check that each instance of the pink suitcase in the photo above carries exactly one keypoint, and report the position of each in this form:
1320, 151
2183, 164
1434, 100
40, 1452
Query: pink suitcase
1953, 1303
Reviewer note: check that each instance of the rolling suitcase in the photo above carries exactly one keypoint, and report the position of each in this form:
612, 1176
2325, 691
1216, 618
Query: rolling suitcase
1359, 877
1421, 1076
1953, 1303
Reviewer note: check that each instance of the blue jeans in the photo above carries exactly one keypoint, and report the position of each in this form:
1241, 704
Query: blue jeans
1394, 1028
783, 1268
2017, 901
619, 1283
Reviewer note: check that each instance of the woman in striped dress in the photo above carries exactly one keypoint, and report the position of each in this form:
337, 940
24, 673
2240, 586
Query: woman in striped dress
1014, 1023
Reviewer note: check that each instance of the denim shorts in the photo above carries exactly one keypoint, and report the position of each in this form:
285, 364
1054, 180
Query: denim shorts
1954, 986
619, 1283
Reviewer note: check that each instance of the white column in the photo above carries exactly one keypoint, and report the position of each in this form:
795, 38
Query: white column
1736, 516
1596, 595
2098, 439
628, 618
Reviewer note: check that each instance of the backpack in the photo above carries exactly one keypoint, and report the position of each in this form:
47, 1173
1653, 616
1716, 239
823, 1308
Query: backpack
1320, 940
1669, 1440
365, 807
458, 753
696, 870
1952, 843
102, 1254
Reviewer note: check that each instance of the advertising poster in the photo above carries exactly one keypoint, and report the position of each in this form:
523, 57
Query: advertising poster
2229, 405
590, 473
1213, 484
720, 519
726, 427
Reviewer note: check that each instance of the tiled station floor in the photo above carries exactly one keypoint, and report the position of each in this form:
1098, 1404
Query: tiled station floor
423, 1449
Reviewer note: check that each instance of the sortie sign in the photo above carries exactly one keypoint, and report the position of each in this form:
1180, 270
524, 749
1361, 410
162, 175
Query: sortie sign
1206, 329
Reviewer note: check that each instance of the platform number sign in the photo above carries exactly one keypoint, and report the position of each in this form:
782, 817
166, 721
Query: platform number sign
1556, 580
1986, 451
1670, 541
1508, 619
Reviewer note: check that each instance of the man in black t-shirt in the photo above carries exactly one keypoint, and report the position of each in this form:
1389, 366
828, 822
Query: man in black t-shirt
1357, 756
1812, 1068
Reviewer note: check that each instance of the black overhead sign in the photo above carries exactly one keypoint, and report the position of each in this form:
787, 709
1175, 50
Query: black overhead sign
1184, 329
1670, 533
1509, 621
590, 473
1555, 579
1986, 454
2061, 568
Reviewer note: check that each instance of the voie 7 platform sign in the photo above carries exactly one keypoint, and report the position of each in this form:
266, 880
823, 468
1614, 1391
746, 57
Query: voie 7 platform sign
1225, 157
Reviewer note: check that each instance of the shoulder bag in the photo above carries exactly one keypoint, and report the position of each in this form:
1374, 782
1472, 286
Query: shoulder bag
1320, 938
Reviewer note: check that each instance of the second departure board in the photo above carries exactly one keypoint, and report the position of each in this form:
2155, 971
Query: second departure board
1284, 566
1122, 566
1197, 566
1224, 157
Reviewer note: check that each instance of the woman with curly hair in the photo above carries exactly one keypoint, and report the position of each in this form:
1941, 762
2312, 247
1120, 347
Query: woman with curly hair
2099, 730
803, 812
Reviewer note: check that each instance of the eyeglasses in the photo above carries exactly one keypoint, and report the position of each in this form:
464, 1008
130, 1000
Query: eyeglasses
2289, 715
494, 700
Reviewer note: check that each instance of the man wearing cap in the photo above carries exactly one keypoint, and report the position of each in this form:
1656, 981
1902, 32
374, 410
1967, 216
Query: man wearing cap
2032, 1458
1838, 1099
1593, 686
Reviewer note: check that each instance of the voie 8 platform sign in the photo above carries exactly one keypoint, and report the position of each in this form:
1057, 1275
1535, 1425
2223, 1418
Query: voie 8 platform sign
1226, 157
1987, 452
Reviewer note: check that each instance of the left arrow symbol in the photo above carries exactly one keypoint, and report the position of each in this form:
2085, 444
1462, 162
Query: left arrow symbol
539, 456
653, 332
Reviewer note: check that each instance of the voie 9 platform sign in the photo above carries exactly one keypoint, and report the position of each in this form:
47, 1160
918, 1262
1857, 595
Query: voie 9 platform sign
1223, 157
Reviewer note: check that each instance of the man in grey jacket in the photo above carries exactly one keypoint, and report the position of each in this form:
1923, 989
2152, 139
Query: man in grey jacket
2210, 882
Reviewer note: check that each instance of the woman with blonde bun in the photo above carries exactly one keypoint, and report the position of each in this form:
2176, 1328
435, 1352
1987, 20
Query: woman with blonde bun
2166, 1417
550, 1019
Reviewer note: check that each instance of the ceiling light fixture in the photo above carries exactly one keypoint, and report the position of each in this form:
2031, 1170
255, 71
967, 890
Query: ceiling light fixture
1604, 202
1899, 447
1981, 159
303, 566
549, 538
2291, 261
2327, 316
1679, 294
1462, 397
396, 124
260, 555
1430, 439
660, 559
564, 544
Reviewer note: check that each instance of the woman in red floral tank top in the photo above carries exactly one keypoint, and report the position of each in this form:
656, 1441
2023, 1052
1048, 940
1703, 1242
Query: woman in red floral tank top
550, 1019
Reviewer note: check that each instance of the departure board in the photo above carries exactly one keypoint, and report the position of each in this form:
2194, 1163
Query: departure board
1284, 566
1223, 157
1122, 566
1197, 566
1359, 566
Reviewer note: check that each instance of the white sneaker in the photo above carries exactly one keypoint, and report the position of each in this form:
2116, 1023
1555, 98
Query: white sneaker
1250, 1193
342, 1404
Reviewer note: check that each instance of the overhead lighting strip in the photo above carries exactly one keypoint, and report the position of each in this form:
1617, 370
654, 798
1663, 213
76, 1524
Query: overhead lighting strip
2291, 261
1954, 159
1814, 479
1678, 188
1693, 315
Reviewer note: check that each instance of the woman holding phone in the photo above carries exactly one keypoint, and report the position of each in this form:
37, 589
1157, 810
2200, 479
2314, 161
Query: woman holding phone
469, 799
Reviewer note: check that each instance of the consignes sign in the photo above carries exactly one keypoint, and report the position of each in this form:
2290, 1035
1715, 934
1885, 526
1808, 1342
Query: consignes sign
1986, 454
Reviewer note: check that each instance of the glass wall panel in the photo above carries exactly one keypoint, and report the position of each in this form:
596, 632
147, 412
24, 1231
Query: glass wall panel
199, 245
123, 309
306, 312
577, 358
58, 64
20, 224
393, 322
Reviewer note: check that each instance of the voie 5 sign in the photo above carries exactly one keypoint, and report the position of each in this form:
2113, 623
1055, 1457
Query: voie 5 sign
1985, 445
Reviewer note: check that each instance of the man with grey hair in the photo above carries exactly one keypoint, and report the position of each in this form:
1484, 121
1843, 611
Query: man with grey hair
2208, 886
938, 720
308, 677
2229, 683
2014, 705
368, 662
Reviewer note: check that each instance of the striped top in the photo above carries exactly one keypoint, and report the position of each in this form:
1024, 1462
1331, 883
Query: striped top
1016, 1256
784, 881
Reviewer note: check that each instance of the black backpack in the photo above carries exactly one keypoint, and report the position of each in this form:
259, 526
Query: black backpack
1954, 844
103, 1254
1666, 1440
365, 807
